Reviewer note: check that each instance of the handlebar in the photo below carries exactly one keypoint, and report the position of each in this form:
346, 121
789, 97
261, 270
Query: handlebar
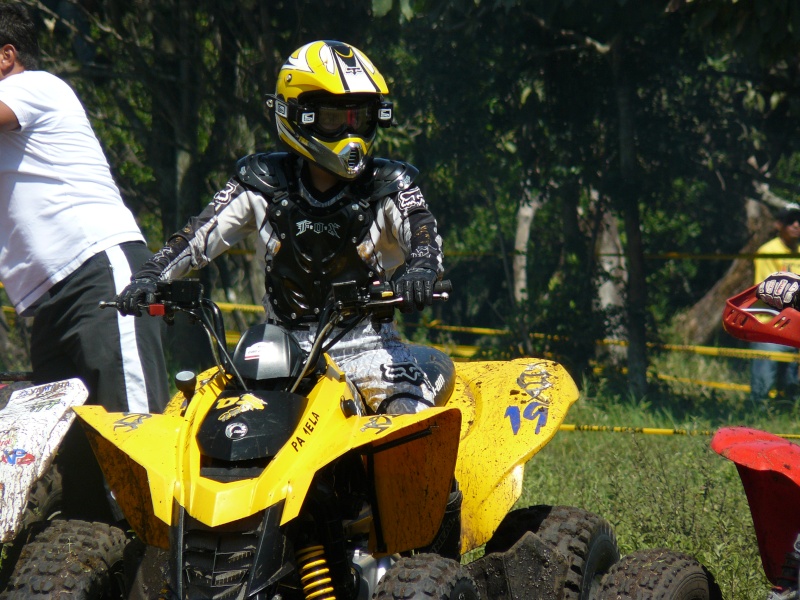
349, 304
187, 294
739, 320
154, 310
379, 300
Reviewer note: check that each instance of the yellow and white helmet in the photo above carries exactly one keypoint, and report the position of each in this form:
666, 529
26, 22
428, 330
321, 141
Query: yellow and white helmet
328, 105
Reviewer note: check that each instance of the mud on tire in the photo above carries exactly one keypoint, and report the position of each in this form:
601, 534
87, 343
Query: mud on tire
586, 540
70, 559
659, 574
426, 577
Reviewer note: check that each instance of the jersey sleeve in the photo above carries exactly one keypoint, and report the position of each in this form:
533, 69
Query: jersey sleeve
228, 219
418, 231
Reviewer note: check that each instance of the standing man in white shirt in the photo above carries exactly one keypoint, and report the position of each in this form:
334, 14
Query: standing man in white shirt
67, 241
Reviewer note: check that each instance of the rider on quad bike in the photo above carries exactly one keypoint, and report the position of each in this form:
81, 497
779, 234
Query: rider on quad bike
768, 464
328, 212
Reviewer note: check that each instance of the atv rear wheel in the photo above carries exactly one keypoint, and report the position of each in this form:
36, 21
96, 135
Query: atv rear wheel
659, 574
586, 540
426, 577
70, 559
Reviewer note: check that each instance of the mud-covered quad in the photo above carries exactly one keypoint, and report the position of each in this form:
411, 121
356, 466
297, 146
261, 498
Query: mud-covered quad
266, 477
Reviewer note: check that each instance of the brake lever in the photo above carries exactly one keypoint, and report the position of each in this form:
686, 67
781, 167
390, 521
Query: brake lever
157, 309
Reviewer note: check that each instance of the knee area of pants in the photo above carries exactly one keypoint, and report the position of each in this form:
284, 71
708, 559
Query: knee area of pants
403, 405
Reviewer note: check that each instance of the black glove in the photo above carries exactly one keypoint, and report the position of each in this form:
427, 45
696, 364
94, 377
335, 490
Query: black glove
780, 290
416, 288
138, 292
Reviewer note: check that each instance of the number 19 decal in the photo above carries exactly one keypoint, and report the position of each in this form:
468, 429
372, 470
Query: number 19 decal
534, 411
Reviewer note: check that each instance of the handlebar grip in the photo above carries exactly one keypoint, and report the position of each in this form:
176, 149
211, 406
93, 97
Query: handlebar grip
443, 287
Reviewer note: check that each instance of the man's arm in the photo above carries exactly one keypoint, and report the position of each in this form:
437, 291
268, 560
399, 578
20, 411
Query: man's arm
8, 120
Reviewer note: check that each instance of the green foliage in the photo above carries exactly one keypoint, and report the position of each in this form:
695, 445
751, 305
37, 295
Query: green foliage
497, 101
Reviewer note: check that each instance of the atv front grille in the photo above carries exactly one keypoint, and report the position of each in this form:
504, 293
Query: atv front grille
226, 471
217, 562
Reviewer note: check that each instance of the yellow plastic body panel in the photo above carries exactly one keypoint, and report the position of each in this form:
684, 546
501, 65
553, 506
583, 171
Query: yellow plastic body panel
510, 410
412, 474
500, 414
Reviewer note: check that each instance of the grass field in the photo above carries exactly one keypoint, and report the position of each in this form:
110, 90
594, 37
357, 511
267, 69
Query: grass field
663, 491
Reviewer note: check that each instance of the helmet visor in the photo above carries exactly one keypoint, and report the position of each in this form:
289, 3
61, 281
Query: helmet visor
334, 120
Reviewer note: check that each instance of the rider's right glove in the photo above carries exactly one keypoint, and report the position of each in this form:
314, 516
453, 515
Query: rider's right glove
780, 290
139, 292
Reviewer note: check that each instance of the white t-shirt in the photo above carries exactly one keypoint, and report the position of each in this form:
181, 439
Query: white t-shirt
59, 205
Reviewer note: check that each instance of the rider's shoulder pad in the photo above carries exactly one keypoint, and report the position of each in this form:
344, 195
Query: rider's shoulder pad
265, 172
391, 176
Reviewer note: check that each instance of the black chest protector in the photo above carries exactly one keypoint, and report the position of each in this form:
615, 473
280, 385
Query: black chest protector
318, 246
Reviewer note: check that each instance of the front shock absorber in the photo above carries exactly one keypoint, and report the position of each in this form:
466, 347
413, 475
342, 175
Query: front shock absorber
315, 577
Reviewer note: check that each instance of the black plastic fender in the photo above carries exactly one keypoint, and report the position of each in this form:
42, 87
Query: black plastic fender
531, 568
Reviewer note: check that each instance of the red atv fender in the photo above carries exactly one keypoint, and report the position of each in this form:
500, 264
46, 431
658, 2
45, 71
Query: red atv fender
769, 467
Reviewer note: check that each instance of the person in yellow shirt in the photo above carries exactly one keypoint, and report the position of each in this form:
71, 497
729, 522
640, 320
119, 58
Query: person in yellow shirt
765, 373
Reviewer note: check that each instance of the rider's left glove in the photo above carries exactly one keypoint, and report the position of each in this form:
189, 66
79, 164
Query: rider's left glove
780, 290
139, 292
416, 288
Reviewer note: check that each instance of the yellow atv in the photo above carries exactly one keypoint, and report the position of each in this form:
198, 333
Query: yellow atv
268, 478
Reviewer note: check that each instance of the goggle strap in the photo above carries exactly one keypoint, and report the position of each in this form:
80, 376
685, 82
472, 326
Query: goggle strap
385, 113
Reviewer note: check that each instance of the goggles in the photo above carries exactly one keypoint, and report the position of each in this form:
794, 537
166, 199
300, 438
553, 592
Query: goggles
332, 119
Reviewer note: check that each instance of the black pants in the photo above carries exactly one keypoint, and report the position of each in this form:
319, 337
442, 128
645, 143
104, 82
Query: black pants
119, 359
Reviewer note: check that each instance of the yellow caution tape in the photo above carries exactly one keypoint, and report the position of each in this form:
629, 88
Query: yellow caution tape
716, 351
661, 256
736, 387
467, 351
651, 430
457, 351
459, 329
230, 307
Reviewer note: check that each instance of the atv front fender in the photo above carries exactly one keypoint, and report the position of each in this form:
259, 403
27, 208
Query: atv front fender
32, 425
769, 467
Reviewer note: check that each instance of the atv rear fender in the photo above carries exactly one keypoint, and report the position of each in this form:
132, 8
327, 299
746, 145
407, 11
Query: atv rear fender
510, 410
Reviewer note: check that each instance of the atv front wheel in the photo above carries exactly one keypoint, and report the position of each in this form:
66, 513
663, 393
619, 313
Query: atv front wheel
586, 540
70, 559
659, 574
426, 577
44, 503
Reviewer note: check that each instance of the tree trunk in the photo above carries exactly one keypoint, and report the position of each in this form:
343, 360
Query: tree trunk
700, 323
525, 214
628, 201
610, 292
